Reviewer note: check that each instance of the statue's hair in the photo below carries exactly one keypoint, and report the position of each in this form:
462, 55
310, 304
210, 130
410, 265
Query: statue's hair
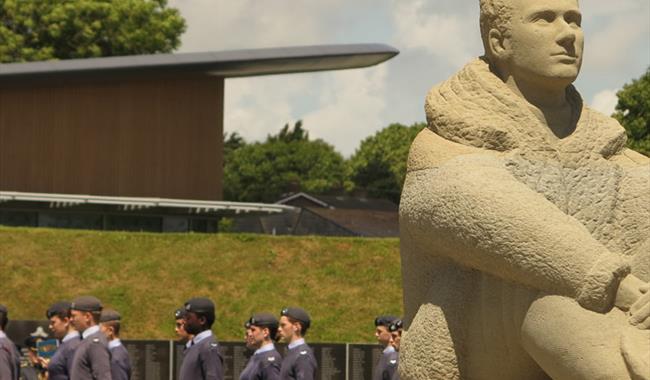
495, 14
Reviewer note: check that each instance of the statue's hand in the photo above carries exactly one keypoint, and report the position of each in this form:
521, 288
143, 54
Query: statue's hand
629, 292
640, 310
633, 295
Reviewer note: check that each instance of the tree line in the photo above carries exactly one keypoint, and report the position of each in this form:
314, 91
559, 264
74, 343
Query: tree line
633, 112
289, 162
53, 29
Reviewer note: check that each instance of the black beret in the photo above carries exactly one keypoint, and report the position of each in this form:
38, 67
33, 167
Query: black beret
200, 305
385, 320
59, 308
86, 303
262, 320
179, 313
298, 314
110, 315
396, 325
4, 310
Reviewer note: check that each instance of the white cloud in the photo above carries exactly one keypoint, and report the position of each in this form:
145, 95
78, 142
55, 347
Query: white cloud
608, 7
339, 107
347, 105
244, 24
350, 108
436, 38
252, 111
605, 101
439, 32
609, 47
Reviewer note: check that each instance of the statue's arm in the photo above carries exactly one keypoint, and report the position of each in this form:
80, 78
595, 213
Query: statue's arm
473, 211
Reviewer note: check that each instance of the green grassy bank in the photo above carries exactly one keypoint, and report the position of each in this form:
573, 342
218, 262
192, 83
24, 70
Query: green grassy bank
342, 282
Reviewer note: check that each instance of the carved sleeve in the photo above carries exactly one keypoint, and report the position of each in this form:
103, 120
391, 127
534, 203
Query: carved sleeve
474, 212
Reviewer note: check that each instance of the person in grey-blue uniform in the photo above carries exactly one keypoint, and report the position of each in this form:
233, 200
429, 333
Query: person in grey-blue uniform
202, 360
387, 364
299, 363
110, 323
9, 356
58, 367
261, 329
92, 360
395, 329
179, 328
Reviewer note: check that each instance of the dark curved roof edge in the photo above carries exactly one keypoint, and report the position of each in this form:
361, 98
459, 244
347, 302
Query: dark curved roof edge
231, 63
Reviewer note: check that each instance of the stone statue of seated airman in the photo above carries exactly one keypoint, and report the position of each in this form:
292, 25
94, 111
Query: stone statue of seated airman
525, 222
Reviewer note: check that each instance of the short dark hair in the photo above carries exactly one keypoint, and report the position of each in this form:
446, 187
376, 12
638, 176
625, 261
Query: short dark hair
209, 318
116, 325
303, 326
273, 331
97, 315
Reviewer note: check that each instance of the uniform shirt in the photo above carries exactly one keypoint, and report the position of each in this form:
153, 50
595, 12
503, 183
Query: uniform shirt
387, 365
300, 363
396, 373
263, 365
9, 359
61, 362
202, 360
120, 362
92, 360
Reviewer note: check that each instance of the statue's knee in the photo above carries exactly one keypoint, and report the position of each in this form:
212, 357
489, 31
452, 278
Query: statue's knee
427, 350
547, 318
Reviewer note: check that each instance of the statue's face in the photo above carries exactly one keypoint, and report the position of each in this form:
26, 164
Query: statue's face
546, 41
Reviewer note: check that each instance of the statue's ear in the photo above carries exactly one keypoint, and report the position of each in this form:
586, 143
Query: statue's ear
498, 44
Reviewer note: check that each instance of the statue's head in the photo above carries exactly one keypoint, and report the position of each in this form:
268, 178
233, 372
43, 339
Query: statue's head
540, 41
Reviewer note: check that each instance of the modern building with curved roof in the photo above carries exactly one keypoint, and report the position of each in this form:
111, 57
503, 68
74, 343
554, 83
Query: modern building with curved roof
122, 128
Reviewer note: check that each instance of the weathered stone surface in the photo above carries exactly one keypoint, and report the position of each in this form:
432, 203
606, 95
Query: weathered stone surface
525, 222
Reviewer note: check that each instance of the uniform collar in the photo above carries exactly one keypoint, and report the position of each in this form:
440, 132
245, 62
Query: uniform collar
90, 331
265, 348
199, 337
2, 334
70, 335
296, 343
389, 349
114, 343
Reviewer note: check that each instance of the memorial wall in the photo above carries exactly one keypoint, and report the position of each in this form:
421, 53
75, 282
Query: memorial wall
161, 359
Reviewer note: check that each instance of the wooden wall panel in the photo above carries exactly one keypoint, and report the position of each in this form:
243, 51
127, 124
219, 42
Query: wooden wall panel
141, 138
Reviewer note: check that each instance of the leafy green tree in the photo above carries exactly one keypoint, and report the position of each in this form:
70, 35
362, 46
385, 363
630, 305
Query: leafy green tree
286, 162
379, 164
633, 112
298, 133
32, 30
232, 142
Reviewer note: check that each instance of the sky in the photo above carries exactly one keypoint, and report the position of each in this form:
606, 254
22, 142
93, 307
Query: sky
436, 38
